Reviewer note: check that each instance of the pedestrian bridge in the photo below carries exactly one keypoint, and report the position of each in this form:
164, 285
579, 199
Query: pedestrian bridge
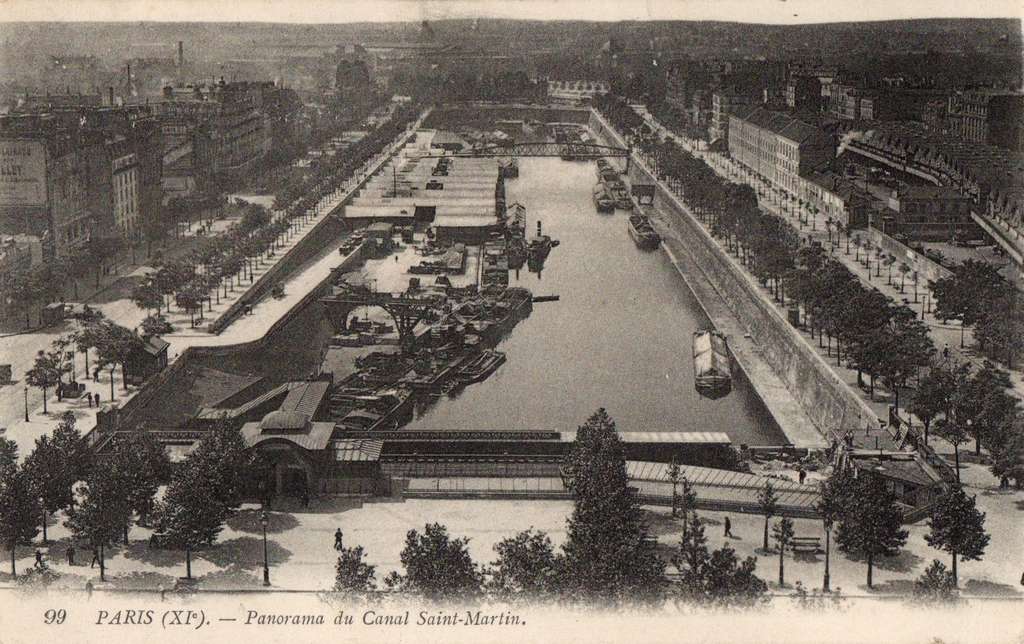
580, 151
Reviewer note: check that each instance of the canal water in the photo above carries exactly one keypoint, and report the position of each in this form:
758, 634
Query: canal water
619, 338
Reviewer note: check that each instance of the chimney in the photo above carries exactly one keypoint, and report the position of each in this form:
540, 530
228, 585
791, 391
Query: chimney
181, 54
110, 93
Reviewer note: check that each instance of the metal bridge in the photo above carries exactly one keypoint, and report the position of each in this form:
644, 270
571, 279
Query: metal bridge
407, 312
572, 150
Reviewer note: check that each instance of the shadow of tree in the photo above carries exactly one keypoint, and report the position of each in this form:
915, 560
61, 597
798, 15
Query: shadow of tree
318, 505
143, 580
895, 587
659, 524
161, 557
245, 552
985, 587
248, 520
234, 577
807, 557
905, 561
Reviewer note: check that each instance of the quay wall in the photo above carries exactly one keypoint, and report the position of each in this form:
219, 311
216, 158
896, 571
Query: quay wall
152, 386
326, 229
824, 397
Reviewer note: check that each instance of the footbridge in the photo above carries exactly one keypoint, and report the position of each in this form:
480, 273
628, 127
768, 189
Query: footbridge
575, 150
406, 311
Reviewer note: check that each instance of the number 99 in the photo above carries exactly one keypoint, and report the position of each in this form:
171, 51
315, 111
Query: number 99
53, 616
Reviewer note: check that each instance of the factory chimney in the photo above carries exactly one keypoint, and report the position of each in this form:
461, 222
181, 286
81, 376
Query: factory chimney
181, 54
110, 93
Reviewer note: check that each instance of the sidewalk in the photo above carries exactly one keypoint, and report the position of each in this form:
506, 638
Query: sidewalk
814, 227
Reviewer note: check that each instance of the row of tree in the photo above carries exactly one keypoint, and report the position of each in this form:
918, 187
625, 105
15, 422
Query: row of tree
112, 344
877, 337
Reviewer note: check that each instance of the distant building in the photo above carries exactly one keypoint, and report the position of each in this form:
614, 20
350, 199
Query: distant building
931, 213
992, 118
242, 118
19, 252
804, 93
723, 103
73, 175
837, 198
777, 146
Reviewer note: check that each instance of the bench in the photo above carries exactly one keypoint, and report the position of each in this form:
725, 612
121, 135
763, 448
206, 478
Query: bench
811, 545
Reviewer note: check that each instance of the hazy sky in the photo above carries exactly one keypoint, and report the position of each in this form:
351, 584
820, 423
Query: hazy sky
333, 11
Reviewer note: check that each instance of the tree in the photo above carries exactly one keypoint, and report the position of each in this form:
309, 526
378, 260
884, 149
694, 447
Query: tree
204, 490
155, 325
44, 374
147, 296
142, 465
932, 396
834, 497
437, 567
68, 439
870, 525
936, 585
673, 476
353, 577
716, 579
48, 471
114, 346
8, 453
1000, 331
782, 532
608, 555
527, 567
1008, 455
19, 511
767, 501
102, 510
958, 527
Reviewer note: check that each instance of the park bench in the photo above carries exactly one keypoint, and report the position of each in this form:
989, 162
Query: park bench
809, 545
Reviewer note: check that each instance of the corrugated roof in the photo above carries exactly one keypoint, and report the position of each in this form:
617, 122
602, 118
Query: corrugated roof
720, 438
357, 449
306, 397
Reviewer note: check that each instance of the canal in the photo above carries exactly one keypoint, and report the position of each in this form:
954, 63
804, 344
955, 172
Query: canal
619, 338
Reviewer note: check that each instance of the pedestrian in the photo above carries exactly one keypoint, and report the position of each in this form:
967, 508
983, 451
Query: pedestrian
945, 351
728, 527
97, 401
337, 539
803, 475
71, 554
95, 557
163, 593
88, 589
305, 497
96, 374
88, 398
39, 558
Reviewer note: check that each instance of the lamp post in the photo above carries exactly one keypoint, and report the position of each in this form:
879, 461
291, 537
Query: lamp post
264, 520
26, 403
828, 533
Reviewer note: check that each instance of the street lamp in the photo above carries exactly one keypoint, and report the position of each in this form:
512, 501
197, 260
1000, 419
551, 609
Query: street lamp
264, 520
26, 403
828, 533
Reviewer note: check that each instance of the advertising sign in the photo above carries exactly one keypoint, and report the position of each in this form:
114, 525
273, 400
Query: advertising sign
22, 173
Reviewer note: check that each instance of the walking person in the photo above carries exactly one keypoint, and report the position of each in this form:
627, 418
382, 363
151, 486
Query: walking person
88, 589
39, 558
728, 528
803, 475
70, 553
337, 539
95, 557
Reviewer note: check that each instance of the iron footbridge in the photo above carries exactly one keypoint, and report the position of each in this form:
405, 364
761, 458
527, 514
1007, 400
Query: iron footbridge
573, 150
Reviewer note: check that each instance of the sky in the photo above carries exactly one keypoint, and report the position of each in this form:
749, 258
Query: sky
344, 11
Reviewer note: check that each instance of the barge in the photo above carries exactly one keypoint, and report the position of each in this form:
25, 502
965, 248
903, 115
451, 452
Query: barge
642, 232
712, 367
